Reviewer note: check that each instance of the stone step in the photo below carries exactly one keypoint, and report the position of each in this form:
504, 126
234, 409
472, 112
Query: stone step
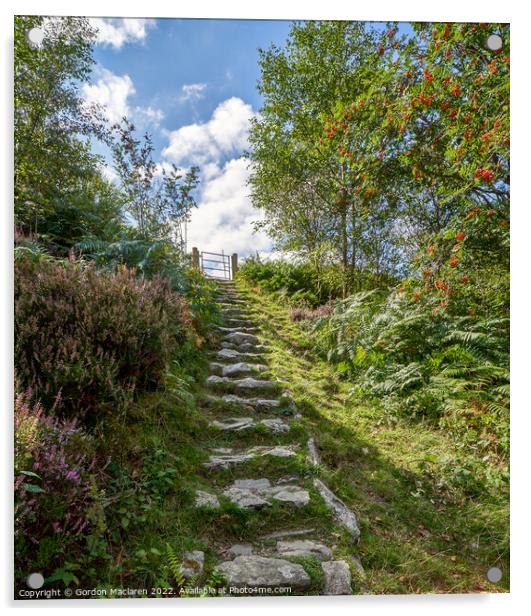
246, 329
226, 458
231, 354
239, 385
258, 493
236, 424
304, 548
241, 338
246, 347
237, 369
258, 571
246, 404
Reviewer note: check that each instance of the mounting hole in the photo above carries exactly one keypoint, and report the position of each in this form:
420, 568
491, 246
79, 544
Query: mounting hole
494, 42
494, 575
35, 37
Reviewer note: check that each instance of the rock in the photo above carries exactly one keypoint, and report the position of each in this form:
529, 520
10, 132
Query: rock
275, 425
241, 338
193, 563
304, 547
232, 354
343, 515
215, 380
242, 423
253, 484
337, 578
242, 384
245, 498
251, 571
313, 454
357, 564
294, 495
229, 457
247, 347
250, 383
254, 493
242, 368
204, 499
288, 533
215, 368
232, 329
233, 423
258, 403
240, 549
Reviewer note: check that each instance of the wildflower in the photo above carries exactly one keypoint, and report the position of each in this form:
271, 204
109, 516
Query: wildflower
460, 236
487, 175
428, 76
454, 261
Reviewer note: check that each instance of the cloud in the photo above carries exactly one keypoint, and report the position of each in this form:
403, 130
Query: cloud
193, 91
112, 93
118, 31
225, 133
224, 217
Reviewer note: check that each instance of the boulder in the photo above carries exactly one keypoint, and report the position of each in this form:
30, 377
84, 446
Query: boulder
252, 571
304, 547
337, 578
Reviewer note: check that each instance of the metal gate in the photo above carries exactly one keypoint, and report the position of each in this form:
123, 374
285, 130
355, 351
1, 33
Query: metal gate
215, 264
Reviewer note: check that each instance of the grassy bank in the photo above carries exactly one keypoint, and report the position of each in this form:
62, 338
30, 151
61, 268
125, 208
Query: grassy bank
423, 529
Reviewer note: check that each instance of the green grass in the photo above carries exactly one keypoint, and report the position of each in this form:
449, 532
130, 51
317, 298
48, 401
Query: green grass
423, 527
426, 525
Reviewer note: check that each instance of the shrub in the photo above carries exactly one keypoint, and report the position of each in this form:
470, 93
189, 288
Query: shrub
91, 334
54, 485
417, 360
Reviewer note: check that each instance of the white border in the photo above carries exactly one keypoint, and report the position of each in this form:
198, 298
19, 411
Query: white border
511, 11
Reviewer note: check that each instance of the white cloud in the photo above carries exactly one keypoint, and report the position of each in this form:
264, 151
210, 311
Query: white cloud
112, 93
224, 217
193, 91
225, 133
118, 31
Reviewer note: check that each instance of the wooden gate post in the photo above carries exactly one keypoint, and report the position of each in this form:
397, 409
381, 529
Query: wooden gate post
234, 264
195, 258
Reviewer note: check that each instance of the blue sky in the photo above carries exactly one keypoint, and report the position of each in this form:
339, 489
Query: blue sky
191, 83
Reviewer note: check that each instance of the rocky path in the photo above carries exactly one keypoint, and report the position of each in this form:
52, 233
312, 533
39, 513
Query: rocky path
243, 401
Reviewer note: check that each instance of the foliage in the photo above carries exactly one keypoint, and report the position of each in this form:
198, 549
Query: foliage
157, 205
52, 160
54, 485
419, 362
94, 335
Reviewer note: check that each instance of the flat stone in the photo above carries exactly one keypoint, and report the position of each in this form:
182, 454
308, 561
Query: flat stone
254, 493
205, 499
243, 384
245, 498
295, 495
337, 578
250, 383
193, 563
242, 368
241, 328
251, 571
252, 484
275, 425
230, 457
289, 533
233, 424
313, 454
241, 338
304, 547
257, 403
232, 354
240, 549
343, 515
